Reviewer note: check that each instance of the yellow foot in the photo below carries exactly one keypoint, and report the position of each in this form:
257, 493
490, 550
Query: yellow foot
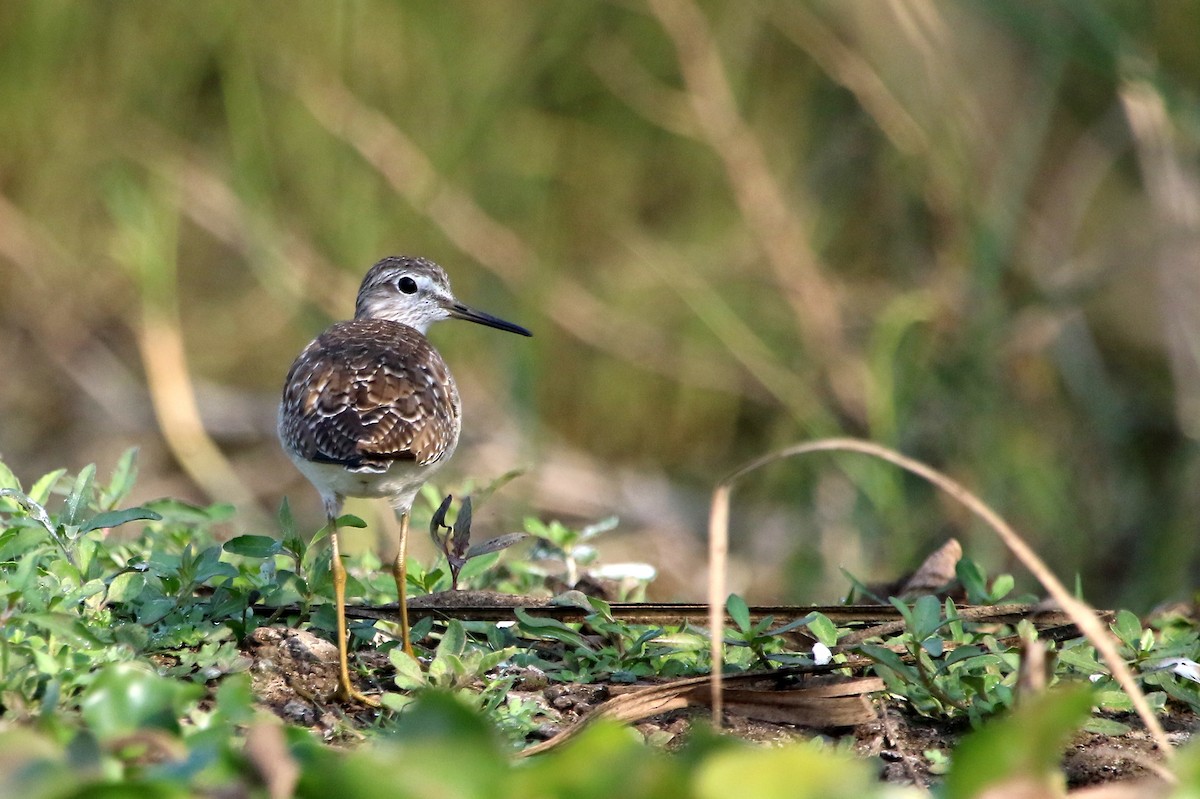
348, 693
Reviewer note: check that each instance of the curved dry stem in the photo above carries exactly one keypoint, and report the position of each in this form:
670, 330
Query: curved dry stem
848, 67
147, 249
1167, 163
173, 396
1081, 613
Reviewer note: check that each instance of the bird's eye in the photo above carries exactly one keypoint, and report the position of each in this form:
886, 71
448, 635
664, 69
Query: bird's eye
407, 285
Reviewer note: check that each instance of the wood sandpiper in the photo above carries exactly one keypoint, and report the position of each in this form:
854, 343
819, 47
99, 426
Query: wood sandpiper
370, 409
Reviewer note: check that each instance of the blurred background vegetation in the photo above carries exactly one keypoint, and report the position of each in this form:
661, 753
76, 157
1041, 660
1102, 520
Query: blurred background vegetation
967, 230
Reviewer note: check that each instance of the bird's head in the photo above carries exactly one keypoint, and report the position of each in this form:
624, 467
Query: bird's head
416, 292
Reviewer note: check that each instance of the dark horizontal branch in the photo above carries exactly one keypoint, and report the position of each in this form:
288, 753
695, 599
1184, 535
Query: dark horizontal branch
490, 606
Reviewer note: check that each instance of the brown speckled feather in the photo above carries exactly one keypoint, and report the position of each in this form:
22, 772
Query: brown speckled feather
366, 393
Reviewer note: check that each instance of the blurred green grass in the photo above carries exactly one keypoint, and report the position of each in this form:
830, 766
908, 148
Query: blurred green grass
966, 230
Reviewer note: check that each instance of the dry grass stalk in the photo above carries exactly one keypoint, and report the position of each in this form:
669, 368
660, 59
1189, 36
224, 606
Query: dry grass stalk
1083, 615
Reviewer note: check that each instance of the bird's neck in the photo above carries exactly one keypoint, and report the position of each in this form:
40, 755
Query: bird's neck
421, 325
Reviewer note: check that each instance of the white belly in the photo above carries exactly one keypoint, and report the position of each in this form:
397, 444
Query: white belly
400, 483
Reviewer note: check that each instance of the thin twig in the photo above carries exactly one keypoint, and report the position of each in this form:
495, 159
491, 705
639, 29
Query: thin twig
777, 224
494, 245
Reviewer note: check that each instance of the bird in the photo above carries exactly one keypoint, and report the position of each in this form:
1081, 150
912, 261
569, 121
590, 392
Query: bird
370, 409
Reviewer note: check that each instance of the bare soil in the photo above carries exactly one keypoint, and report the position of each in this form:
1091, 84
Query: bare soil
295, 677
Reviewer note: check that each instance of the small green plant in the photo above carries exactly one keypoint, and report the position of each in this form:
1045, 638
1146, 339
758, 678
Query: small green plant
468, 670
59, 582
555, 542
114, 647
455, 542
605, 648
942, 667
87, 509
563, 555
977, 587
1166, 661
1024, 747
764, 643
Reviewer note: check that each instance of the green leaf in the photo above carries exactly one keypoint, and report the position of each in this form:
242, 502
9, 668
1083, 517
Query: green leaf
40, 493
35, 510
259, 547
573, 598
125, 698
154, 610
1081, 658
421, 629
886, 657
225, 603
126, 586
905, 611
823, 629
208, 564
8, 479
973, 580
961, 653
324, 617
287, 521
533, 525
477, 566
1109, 727
1002, 586
134, 636
409, 676
66, 626
87, 550
235, 700
446, 671
495, 544
549, 628
600, 608
454, 639
784, 628
350, 520
1128, 628
927, 616
397, 703
176, 510
738, 611
604, 760
596, 528
115, 518
758, 629
953, 620
89, 589
122, 480
437, 723
494, 658
80, 496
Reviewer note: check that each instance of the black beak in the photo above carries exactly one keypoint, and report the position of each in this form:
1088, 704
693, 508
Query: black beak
460, 311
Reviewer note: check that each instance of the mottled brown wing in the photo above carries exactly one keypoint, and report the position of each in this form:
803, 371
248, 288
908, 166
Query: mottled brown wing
368, 392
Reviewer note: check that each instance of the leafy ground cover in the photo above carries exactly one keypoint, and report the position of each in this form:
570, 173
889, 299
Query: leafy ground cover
140, 653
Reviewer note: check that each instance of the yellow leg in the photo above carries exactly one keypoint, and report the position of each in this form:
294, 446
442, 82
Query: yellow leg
400, 572
346, 691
